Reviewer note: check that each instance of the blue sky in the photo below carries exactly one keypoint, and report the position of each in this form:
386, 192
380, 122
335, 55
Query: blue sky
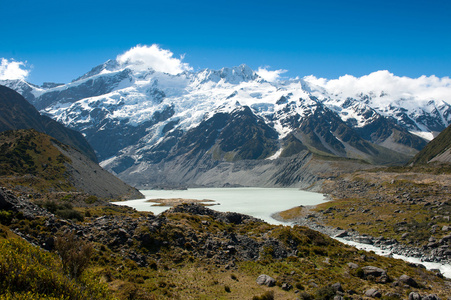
61, 40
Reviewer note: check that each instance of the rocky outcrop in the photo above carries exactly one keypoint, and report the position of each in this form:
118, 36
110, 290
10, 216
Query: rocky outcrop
9, 202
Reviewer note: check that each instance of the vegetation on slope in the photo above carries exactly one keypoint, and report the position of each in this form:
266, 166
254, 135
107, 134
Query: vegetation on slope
411, 207
434, 148
28, 272
29, 158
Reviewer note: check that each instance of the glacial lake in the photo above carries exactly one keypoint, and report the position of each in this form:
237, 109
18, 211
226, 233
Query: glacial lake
257, 202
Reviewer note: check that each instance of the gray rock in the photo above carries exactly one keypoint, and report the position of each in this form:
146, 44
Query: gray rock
414, 296
286, 286
376, 274
337, 287
373, 271
341, 234
430, 297
408, 280
266, 280
373, 293
352, 265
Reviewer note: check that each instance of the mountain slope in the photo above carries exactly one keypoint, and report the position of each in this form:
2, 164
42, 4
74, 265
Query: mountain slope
437, 150
18, 113
35, 162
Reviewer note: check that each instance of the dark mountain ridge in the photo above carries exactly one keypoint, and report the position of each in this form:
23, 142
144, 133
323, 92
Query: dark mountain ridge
18, 113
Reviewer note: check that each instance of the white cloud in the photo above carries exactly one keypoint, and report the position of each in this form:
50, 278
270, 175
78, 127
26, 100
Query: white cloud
141, 58
395, 87
13, 69
270, 76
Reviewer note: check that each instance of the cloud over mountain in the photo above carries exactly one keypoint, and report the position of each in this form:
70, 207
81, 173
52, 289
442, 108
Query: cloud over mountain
383, 82
141, 58
268, 75
13, 70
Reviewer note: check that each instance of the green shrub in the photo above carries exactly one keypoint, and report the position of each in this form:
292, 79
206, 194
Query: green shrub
91, 199
69, 214
28, 272
325, 293
75, 254
299, 286
6, 217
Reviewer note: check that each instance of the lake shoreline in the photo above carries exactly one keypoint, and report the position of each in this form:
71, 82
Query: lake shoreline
386, 247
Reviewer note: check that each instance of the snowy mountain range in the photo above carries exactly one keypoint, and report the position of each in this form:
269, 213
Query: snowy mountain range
150, 126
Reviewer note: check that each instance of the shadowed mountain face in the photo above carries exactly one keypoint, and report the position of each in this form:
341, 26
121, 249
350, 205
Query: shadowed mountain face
18, 113
437, 150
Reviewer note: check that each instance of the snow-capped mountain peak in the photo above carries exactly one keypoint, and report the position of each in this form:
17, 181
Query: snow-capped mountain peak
139, 108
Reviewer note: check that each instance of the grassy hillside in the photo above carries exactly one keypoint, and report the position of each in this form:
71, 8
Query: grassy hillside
29, 159
32, 162
437, 146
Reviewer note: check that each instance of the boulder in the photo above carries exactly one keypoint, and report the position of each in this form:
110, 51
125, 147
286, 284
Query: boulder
373, 293
373, 271
408, 280
352, 265
414, 296
266, 280
378, 274
337, 287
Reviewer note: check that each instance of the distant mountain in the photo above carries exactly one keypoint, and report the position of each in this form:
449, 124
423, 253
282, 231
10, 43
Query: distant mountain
145, 124
437, 150
18, 113
31, 161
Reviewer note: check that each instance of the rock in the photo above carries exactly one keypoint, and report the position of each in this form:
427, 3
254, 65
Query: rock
286, 286
379, 275
373, 271
408, 280
338, 298
364, 239
337, 287
430, 297
341, 234
393, 296
266, 280
414, 296
373, 293
352, 265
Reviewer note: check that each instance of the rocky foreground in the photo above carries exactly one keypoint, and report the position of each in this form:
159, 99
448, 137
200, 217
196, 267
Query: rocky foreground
192, 252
